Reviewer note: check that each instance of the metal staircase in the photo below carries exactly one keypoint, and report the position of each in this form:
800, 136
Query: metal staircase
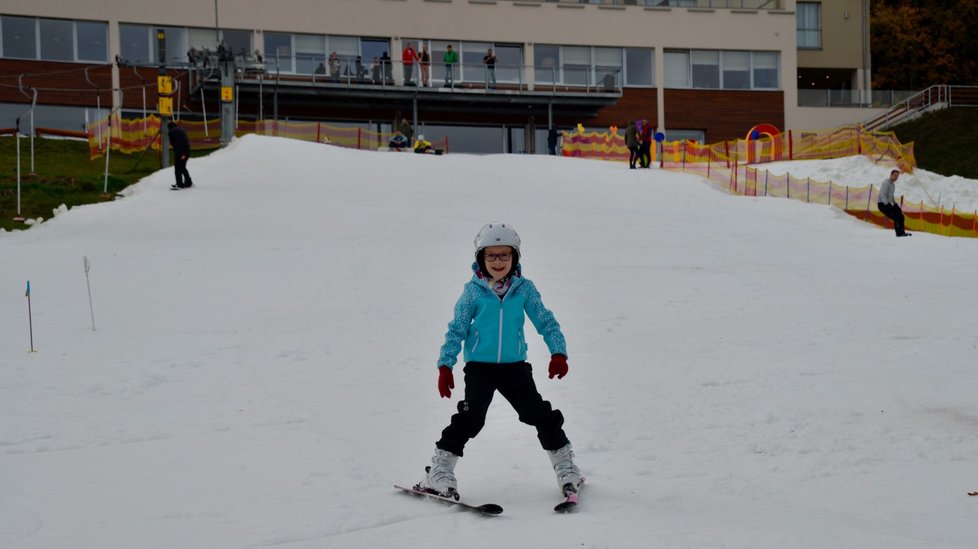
935, 97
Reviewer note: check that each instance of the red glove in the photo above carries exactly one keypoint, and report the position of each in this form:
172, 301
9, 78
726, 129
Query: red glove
446, 381
558, 366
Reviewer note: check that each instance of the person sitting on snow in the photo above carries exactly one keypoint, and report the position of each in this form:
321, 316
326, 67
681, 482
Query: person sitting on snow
422, 146
398, 142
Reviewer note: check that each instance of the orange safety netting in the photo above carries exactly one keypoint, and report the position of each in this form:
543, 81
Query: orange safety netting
600, 145
728, 165
135, 135
860, 202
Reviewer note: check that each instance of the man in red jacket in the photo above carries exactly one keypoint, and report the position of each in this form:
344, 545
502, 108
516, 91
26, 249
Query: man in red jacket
409, 57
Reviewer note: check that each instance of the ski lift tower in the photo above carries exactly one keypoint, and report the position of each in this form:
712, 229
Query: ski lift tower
164, 88
226, 64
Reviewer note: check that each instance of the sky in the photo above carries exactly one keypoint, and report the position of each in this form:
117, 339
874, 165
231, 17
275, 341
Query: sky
252, 362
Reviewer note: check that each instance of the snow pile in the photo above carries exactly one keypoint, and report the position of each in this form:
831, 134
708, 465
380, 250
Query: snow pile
744, 372
859, 171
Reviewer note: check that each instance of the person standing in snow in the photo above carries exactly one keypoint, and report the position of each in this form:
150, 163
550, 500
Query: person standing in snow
645, 145
888, 205
631, 141
489, 320
181, 153
407, 130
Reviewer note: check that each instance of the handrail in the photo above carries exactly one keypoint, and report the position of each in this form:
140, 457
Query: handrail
934, 96
394, 73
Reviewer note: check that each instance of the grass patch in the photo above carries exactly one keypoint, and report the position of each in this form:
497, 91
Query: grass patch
64, 175
945, 141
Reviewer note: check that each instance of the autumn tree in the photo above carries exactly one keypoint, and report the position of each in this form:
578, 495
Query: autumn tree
919, 44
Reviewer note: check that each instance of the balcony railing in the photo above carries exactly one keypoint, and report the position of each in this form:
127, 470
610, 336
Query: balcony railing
349, 71
727, 4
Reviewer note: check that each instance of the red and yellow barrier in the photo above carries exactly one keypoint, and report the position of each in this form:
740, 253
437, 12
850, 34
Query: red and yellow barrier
135, 135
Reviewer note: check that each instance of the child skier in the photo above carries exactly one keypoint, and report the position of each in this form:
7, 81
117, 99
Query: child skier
489, 320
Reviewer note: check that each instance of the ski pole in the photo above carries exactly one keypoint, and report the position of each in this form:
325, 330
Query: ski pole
30, 320
89, 284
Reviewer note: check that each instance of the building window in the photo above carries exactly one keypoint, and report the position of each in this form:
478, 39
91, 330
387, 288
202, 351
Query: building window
809, 25
509, 63
53, 39
607, 67
176, 44
278, 51
676, 68
736, 70
19, 37
135, 44
728, 70
239, 41
546, 64
639, 67
705, 68
576, 65
347, 49
57, 40
310, 54
93, 41
765, 66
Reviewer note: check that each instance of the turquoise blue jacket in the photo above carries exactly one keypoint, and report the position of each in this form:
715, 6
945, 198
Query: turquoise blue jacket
492, 329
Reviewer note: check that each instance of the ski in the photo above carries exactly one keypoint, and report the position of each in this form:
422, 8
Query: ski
570, 499
486, 508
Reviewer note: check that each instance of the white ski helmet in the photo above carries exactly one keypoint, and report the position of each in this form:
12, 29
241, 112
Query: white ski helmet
496, 234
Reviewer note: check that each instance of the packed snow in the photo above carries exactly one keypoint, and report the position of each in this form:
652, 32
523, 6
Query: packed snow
257, 366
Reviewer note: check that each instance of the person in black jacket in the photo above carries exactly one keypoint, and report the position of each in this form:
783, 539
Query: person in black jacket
181, 152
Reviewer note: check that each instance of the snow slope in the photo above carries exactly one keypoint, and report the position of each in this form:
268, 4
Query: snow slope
744, 372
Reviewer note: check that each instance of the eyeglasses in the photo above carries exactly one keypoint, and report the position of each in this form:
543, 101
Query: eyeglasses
501, 257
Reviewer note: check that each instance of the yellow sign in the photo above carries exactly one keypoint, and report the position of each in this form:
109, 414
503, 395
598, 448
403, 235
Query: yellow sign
227, 94
164, 84
166, 106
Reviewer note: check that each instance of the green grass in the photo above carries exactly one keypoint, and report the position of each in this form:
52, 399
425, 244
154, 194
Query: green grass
945, 141
63, 175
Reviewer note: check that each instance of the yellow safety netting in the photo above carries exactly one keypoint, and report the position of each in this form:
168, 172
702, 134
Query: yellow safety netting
136, 135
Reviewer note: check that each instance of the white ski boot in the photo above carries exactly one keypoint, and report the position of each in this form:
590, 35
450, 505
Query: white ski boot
441, 475
568, 474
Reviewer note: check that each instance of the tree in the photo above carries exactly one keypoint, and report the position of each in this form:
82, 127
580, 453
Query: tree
919, 44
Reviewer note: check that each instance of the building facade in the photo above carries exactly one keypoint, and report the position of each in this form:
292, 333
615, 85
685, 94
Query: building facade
702, 69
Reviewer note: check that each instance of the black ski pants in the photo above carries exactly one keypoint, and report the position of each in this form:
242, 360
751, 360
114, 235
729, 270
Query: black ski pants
894, 212
645, 154
633, 155
180, 170
515, 382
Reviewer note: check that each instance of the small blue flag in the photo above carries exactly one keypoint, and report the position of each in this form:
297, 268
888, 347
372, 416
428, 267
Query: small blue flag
28, 294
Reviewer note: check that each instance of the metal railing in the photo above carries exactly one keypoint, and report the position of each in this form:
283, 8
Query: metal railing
351, 71
851, 98
728, 4
934, 97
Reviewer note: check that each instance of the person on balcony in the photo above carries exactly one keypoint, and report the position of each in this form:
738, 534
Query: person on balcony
425, 66
489, 60
334, 66
409, 58
450, 59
